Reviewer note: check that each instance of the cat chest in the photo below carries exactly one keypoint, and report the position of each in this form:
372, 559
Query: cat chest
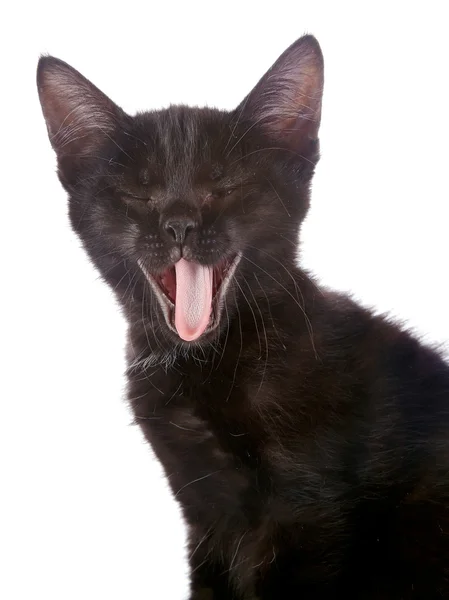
221, 467
219, 453
240, 488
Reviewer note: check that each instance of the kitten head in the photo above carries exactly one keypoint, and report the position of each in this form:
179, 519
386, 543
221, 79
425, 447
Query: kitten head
182, 208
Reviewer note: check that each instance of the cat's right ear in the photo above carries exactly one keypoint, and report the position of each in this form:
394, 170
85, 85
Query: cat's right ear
79, 117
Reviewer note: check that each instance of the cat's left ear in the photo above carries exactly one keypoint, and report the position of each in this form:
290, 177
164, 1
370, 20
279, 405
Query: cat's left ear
286, 103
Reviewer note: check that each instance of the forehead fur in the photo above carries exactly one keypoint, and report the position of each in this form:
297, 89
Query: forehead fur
182, 144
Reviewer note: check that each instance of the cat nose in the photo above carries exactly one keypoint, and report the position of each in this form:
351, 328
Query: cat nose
179, 227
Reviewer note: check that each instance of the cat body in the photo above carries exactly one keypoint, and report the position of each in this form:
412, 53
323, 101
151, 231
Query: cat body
326, 482
305, 438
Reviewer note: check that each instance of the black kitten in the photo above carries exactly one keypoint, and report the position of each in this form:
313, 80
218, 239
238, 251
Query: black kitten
306, 439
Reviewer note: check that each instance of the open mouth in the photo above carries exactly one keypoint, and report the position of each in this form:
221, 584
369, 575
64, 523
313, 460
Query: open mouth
191, 295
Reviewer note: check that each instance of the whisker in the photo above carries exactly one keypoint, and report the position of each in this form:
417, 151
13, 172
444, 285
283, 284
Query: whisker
236, 552
240, 350
174, 394
306, 318
254, 317
245, 133
196, 480
266, 340
201, 541
180, 427
227, 331
269, 310
275, 191
273, 148
237, 122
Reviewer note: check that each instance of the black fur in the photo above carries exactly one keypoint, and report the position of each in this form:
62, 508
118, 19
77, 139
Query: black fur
306, 439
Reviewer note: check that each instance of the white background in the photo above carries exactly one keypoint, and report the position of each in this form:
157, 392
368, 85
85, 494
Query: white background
85, 512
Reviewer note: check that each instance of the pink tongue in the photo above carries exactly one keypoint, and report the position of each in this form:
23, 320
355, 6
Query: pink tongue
193, 299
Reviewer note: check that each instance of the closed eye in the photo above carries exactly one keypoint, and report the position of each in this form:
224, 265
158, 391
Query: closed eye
145, 198
138, 193
130, 197
230, 190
